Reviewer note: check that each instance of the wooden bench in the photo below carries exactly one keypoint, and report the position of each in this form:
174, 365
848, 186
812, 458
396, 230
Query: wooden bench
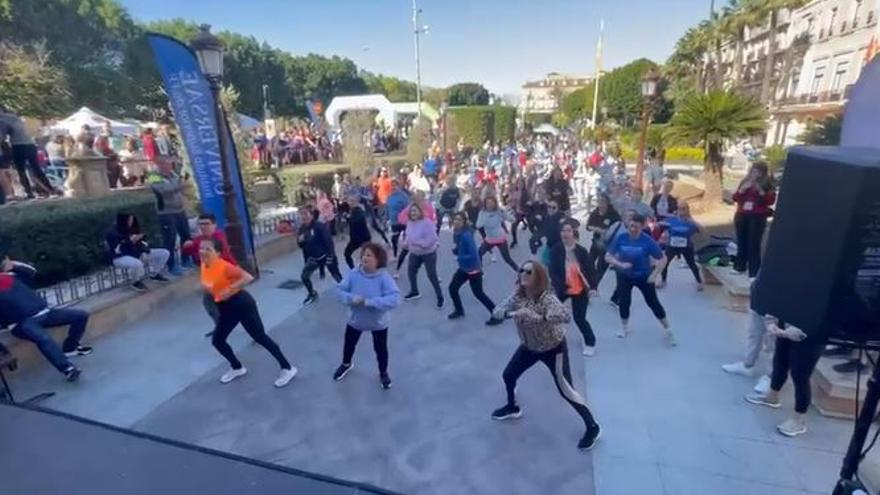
738, 287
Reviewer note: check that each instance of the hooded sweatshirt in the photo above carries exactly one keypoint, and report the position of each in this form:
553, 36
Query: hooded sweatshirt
18, 301
466, 251
421, 237
380, 295
397, 202
493, 222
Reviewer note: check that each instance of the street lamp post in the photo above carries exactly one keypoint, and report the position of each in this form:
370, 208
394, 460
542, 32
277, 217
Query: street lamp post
209, 50
444, 108
266, 113
417, 32
649, 91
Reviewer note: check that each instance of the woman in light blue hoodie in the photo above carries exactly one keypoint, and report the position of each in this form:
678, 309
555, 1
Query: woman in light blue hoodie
492, 218
371, 293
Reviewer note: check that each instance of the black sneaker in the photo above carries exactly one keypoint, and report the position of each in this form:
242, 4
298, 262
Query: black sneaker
588, 441
140, 286
440, 303
72, 374
160, 278
385, 381
507, 412
341, 371
412, 296
81, 350
310, 299
494, 321
851, 366
455, 315
837, 351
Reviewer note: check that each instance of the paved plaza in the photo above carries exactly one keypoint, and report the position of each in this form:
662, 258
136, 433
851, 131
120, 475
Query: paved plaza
673, 423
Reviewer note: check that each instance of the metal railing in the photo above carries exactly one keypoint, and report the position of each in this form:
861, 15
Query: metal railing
79, 288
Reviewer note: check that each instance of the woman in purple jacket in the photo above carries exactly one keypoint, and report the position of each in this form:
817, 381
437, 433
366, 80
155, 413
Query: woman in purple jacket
420, 239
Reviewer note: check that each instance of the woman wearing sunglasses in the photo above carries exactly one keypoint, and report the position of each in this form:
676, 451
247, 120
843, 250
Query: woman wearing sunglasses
572, 271
540, 320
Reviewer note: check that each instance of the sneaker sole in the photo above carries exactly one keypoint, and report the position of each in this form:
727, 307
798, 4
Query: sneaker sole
343, 374
76, 354
385, 387
286, 382
236, 377
412, 298
590, 447
791, 434
772, 405
507, 417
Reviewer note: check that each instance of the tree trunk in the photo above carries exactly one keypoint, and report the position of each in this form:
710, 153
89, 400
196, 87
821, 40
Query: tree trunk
719, 69
770, 61
713, 175
737, 58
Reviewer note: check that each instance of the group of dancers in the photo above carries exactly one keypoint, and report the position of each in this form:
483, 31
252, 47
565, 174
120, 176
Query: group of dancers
560, 269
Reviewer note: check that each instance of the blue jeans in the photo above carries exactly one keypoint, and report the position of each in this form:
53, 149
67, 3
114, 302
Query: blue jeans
173, 225
34, 330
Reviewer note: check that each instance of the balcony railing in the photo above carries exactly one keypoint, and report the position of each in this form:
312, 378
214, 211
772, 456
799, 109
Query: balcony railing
829, 96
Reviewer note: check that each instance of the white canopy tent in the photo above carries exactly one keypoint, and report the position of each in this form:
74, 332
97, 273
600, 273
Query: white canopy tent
85, 116
246, 123
546, 129
342, 104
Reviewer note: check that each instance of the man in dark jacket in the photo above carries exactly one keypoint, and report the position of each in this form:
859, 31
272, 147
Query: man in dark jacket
359, 230
318, 251
548, 228
28, 314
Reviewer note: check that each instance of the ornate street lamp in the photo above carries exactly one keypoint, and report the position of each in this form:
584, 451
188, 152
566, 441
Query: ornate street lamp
650, 82
209, 50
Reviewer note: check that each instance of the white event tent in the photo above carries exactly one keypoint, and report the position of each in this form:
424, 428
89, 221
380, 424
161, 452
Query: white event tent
85, 116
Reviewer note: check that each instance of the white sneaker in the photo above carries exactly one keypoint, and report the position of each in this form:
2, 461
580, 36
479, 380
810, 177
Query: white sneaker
285, 377
622, 333
232, 374
763, 400
792, 427
671, 340
494, 258
763, 385
589, 351
737, 368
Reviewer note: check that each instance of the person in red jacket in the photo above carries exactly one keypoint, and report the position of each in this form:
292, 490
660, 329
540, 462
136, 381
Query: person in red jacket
151, 149
754, 203
208, 232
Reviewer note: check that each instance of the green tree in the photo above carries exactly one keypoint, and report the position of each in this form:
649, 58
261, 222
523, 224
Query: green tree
467, 94
29, 83
823, 133
710, 120
578, 104
621, 90
396, 90
737, 18
771, 9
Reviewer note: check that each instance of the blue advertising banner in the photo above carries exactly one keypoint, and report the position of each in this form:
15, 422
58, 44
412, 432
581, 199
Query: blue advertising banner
194, 111
313, 114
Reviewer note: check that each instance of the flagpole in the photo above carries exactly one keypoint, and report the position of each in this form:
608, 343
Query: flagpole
598, 73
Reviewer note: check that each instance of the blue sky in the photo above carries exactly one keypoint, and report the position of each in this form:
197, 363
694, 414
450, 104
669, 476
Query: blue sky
500, 43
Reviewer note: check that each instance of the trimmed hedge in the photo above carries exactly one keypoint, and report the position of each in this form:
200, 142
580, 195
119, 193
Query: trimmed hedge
505, 123
291, 178
675, 154
64, 238
476, 125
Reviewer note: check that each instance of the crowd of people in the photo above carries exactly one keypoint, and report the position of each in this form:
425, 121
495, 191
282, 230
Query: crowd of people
554, 192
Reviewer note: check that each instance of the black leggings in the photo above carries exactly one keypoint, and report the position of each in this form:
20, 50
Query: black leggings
598, 253
520, 218
350, 248
556, 360
505, 253
649, 292
313, 264
475, 280
377, 221
241, 308
380, 345
396, 230
579, 304
688, 254
430, 262
799, 360
749, 234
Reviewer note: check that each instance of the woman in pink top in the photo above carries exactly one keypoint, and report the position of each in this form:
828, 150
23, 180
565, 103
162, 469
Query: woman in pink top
420, 239
427, 210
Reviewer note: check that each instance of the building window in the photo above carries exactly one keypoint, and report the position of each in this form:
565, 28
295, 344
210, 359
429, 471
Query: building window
839, 80
818, 77
831, 20
870, 17
857, 10
795, 80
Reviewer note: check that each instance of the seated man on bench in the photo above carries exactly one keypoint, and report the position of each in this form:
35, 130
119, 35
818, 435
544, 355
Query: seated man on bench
22, 309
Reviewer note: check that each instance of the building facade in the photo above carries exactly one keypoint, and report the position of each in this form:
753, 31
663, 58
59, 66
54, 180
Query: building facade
544, 96
837, 38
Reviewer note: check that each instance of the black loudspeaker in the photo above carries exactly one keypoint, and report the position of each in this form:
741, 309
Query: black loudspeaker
821, 270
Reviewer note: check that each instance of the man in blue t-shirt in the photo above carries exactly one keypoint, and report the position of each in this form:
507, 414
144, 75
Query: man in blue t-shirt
679, 231
431, 168
638, 260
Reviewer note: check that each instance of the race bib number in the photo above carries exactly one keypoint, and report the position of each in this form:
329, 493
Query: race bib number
748, 206
678, 241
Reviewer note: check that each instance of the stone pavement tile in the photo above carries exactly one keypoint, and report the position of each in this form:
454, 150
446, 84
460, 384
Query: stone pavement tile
816, 470
625, 438
625, 476
756, 461
683, 481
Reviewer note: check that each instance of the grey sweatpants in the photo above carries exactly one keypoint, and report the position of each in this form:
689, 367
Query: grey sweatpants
758, 340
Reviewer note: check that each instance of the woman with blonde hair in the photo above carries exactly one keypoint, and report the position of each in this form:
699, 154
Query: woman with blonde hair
540, 322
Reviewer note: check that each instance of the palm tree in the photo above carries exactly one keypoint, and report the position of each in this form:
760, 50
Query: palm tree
771, 9
738, 17
689, 60
712, 119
